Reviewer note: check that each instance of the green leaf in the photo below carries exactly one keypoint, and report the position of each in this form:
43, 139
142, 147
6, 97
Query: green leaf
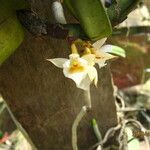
11, 36
8, 7
116, 50
92, 17
118, 12
96, 130
11, 31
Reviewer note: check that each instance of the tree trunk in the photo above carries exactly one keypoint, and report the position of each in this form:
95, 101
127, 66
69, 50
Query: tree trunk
45, 102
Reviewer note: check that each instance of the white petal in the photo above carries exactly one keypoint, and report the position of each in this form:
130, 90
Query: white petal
104, 55
76, 77
58, 62
85, 83
98, 44
103, 58
101, 63
90, 58
66, 64
92, 72
83, 62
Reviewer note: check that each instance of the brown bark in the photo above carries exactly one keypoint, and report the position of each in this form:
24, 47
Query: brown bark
45, 102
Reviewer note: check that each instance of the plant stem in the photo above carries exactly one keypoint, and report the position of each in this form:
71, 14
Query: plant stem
96, 130
87, 96
75, 126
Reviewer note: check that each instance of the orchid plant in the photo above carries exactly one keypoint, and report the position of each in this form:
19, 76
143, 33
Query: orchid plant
80, 67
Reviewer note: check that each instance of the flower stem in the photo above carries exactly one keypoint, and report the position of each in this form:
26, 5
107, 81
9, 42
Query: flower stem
79, 118
88, 98
75, 125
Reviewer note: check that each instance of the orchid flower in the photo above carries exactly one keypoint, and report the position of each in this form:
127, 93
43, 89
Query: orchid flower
101, 52
81, 69
77, 69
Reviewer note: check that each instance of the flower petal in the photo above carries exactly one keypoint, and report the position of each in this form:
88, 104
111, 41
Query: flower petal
98, 44
102, 58
58, 62
90, 58
85, 83
101, 63
78, 78
92, 73
114, 50
102, 55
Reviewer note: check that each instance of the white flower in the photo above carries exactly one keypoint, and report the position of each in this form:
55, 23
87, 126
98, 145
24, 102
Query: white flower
102, 52
81, 69
77, 69
101, 56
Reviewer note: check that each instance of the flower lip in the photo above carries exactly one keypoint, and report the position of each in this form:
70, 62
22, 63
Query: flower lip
75, 68
77, 64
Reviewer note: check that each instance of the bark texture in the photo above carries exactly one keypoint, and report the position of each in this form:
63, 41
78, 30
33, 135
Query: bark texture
45, 102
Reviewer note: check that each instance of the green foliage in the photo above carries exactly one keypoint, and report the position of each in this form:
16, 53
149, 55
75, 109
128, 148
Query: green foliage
92, 17
116, 50
11, 32
11, 35
7, 7
1, 134
118, 12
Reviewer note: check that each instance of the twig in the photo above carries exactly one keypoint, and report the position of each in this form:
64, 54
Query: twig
122, 101
145, 116
107, 136
121, 135
109, 132
75, 125
130, 109
142, 129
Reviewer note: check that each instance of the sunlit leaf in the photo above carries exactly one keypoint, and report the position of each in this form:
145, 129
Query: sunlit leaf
92, 17
11, 35
11, 31
114, 50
